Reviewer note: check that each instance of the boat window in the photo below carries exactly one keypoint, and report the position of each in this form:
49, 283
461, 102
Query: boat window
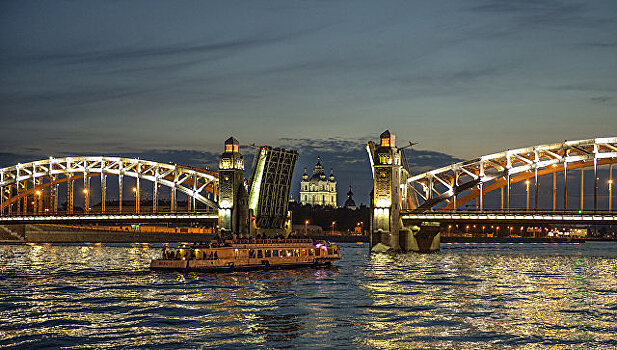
288, 252
311, 252
317, 252
236, 253
275, 253
303, 252
216, 255
260, 253
252, 253
329, 250
267, 254
296, 252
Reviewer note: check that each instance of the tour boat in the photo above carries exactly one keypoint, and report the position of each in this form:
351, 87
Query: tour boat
248, 255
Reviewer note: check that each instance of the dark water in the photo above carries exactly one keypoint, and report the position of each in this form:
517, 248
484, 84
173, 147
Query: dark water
466, 297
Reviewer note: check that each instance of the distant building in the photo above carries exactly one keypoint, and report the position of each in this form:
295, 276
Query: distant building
349, 203
319, 189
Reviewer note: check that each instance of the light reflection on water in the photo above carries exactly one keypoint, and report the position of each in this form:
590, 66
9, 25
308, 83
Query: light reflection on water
466, 297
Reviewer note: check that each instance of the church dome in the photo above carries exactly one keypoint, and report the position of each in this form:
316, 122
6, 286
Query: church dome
318, 172
349, 203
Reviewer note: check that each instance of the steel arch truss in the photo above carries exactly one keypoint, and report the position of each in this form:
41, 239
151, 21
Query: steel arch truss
495, 171
24, 179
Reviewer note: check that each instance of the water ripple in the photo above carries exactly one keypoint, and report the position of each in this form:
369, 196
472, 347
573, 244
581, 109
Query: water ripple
466, 297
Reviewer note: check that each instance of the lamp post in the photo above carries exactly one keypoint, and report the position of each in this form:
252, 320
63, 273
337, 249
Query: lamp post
37, 201
306, 227
333, 223
85, 192
527, 185
610, 194
136, 200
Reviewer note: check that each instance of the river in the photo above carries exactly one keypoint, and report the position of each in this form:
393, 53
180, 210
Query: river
468, 296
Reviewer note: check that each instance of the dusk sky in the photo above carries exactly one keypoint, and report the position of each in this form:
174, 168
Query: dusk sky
462, 78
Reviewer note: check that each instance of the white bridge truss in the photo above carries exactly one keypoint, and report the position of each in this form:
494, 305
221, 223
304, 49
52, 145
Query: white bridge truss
29, 179
476, 177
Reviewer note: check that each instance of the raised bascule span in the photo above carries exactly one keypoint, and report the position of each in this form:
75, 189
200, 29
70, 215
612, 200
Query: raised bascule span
408, 212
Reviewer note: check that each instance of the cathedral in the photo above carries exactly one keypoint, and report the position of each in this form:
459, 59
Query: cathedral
319, 189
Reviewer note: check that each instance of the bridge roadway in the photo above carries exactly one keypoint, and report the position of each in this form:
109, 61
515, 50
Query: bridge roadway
515, 217
202, 217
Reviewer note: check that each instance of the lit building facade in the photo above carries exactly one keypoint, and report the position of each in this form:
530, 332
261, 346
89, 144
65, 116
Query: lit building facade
319, 189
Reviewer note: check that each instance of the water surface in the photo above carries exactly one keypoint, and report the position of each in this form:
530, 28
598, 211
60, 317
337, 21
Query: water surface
468, 296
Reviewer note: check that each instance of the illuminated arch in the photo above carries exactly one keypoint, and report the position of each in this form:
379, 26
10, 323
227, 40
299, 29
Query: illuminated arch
491, 172
25, 179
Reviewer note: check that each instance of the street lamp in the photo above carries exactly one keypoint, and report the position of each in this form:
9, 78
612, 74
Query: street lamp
306, 227
136, 200
333, 223
610, 194
527, 182
38, 200
86, 204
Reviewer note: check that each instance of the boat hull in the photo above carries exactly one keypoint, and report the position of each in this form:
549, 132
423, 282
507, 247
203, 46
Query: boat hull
190, 266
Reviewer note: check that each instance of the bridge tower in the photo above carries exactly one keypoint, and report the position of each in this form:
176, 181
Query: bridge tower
233, 195
385, 201
387, 231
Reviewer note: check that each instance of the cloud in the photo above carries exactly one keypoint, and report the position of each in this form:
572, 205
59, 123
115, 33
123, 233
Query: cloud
535, 12
201, 159
347, 157
602, 99
597, 44
139, 54
609, 86
349, 160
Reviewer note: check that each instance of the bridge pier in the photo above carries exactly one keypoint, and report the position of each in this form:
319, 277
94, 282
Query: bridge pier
387, 232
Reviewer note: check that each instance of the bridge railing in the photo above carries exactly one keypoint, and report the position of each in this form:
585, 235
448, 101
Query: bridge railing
107, 212
515, 211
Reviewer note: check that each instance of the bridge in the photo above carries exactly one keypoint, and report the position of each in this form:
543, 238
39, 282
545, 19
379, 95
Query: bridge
223, 200
504, 189
531, 185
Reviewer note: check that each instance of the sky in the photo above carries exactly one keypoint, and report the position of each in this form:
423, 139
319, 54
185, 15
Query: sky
171, 80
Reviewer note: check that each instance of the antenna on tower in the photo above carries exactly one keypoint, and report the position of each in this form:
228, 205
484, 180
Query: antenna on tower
411, 144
